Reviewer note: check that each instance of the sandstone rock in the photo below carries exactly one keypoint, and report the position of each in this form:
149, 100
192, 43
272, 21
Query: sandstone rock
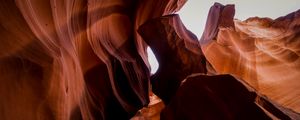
177, 51
219, 97
86, 59
62, 59
261, 51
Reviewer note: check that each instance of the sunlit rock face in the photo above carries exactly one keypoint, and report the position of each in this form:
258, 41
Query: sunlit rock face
184, 86
86, 59
261, 51
75, 59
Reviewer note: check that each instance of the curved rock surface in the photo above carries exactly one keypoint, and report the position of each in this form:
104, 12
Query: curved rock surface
182, 82
177, 51
86, 59
261, 51
219, 97
75, 59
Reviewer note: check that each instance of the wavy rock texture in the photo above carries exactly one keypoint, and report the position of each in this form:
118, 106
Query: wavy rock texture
86, 59
187, 91
261, 51
73, 59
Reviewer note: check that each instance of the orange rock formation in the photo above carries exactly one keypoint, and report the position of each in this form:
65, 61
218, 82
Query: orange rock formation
86, 59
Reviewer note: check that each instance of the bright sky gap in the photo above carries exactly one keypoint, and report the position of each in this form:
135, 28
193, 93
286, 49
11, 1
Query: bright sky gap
194, 14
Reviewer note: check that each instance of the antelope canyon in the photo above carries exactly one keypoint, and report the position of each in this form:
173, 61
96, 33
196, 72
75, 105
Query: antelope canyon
88, 60
260, 51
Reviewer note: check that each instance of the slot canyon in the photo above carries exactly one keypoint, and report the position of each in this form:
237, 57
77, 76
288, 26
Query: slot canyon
88, 60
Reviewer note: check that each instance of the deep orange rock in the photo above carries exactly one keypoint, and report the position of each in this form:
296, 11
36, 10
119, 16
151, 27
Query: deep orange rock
62, 59
261, 51
204, 97
86, 59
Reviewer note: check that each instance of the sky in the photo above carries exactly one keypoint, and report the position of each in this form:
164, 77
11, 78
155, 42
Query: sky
194, 14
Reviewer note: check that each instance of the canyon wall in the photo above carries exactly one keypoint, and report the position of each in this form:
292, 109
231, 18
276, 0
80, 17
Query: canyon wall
86, 59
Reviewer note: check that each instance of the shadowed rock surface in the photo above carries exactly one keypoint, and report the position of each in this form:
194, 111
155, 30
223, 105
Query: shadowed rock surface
207, 97
86, 59
219, 97
177, 51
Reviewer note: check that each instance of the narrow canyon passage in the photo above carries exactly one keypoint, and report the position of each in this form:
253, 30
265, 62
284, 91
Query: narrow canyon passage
89, 59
